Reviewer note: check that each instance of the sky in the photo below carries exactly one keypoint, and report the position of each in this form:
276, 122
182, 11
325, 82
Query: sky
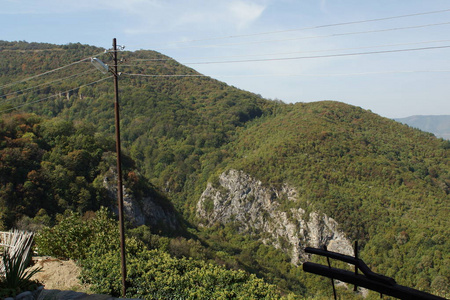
389, 56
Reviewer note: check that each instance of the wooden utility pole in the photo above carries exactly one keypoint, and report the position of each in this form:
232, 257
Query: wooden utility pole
119, 172
105, 69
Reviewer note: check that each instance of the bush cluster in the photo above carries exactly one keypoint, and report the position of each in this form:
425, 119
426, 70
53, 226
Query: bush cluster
152, 273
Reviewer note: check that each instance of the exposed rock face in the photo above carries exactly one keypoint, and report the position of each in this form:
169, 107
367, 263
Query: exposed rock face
269, 212
146, 211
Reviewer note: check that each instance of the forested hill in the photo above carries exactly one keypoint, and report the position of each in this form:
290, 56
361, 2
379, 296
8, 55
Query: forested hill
379, 179
173, 126
386, 184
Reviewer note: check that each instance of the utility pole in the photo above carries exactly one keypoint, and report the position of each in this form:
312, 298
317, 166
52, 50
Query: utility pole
105, 69
119, 172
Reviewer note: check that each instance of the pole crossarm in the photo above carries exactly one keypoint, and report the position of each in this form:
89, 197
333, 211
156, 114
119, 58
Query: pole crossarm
368, 279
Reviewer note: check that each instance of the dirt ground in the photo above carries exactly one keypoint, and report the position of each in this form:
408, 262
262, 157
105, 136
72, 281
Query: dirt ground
59, 274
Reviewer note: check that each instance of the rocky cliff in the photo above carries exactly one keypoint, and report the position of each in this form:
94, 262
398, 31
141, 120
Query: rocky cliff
147, 210
271, 213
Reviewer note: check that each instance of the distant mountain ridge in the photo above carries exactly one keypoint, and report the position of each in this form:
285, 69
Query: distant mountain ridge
439, 125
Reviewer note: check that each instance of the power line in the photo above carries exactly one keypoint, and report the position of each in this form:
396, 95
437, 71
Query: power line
287, 53
152, 59
48, 72
317, 56
190, 75
309, 27
337, 74
160, 75
310, 37
295, 75
53, 96
42, 84
329, 50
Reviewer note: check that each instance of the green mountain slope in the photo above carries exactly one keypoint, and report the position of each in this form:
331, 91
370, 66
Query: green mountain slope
171, 126
386, 184
50, 166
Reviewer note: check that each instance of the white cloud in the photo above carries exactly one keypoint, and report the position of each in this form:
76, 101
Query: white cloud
194, 17
200, 14
130, 7
245, 12
323, 5
150, 16
65, 6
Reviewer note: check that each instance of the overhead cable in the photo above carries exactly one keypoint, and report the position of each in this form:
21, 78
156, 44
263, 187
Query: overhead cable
317, 56
310, 27
310, 37
336, 74
47, 72
295, 75
287, 53
42, 84
53, 96
160, 75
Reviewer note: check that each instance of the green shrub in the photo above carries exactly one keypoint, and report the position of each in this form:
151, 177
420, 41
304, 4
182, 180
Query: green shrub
151, 274
72, 236
154, 274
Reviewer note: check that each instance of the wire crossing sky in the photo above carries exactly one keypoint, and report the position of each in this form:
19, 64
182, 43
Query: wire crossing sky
363, 50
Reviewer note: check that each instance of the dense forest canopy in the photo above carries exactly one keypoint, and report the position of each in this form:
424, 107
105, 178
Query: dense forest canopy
386, 184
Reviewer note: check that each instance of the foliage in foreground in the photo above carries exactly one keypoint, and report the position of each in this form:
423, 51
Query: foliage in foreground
16, 257
73, 235
152, 273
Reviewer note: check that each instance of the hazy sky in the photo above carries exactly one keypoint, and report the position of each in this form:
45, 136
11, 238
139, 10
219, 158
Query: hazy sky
280, 49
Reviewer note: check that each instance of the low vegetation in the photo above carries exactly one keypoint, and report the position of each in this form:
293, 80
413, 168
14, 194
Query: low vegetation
152, 273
